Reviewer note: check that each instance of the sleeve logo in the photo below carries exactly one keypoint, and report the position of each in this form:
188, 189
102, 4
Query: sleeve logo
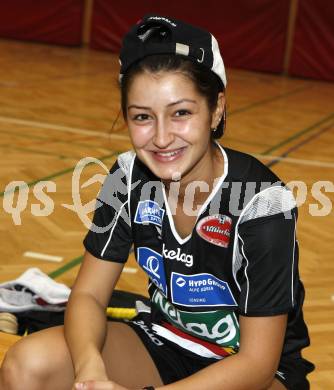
148, 212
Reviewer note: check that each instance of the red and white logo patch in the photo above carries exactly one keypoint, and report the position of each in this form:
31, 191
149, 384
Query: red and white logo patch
215, 229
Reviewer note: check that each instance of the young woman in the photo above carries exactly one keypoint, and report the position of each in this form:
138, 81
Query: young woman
213, 228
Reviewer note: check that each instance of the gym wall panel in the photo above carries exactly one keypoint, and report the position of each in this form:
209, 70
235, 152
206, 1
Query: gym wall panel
313, 43
49, 21
251, 34
112, 18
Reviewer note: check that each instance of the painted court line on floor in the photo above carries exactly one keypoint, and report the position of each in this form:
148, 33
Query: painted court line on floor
60, 173
67, 129
130, 270
293, 148
42, 256
46, 139
54, 274
298, 134
297, 161
267, 100
34, 151
72, 263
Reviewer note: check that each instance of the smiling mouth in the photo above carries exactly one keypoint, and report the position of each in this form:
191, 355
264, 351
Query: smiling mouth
169, 155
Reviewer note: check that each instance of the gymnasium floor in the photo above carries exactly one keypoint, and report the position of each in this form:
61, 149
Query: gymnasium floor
60, 105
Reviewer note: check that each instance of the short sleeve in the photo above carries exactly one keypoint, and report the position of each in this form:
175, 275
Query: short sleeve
266, 262
110, 235
270, 251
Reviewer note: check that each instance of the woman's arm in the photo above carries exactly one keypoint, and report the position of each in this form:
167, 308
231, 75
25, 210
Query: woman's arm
252, 368
85, 318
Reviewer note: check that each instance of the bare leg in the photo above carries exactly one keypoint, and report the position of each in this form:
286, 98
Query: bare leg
42, 361
277, 385
38, 361
127, 360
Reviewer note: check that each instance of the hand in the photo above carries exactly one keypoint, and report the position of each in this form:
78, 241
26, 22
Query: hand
92, 375
98, 385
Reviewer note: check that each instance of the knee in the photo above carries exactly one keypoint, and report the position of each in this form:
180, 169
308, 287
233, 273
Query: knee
10, 370
22, 365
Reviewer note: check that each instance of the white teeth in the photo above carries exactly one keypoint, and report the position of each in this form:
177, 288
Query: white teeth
168, 154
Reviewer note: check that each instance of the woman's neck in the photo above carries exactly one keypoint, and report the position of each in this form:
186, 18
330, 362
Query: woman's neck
197, 184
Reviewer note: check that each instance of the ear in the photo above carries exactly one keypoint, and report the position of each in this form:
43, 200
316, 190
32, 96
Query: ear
218, 111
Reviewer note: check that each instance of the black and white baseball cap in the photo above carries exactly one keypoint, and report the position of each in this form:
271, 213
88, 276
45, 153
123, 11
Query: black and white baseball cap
156, 34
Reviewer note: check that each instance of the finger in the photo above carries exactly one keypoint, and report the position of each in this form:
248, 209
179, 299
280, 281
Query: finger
96, 385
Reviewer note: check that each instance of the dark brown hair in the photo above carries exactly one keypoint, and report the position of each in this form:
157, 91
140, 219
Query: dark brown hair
206, 82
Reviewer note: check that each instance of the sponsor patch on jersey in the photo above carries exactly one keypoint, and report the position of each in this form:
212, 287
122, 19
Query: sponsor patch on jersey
220, 326
149, 211
152, 263
200, 290
177, 255
215, 229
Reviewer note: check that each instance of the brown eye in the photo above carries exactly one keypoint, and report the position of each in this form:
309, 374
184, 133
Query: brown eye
182, 113
141, 117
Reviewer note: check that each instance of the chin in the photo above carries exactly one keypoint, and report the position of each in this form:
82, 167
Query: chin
166, 174
164, 171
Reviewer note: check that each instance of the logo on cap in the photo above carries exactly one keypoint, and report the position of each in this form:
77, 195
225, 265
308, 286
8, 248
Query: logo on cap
163, 19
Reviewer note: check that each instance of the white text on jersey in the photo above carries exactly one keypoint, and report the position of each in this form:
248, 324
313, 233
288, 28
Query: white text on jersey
177, 255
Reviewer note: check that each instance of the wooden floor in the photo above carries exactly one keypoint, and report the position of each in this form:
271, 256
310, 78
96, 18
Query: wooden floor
6, 340
59, 105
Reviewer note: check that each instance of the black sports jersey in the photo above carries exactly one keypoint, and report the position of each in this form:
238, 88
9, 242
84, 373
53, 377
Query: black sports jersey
240, 259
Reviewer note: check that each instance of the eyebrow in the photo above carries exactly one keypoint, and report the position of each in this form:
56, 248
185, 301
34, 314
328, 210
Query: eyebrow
181, 101
139, 107
168, 105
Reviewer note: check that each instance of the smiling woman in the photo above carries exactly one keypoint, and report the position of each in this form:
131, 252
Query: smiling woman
171, 130
226, 298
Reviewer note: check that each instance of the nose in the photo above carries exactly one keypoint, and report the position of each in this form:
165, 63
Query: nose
163, 137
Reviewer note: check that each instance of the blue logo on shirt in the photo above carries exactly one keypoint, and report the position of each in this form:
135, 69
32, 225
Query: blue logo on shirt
200, 290
152, 264
149, 211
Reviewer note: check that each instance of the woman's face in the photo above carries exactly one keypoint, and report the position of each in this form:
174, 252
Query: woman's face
169, 123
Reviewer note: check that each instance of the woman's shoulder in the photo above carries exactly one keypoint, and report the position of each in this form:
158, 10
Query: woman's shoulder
125, 160
264, 193
133, 169
245, 167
